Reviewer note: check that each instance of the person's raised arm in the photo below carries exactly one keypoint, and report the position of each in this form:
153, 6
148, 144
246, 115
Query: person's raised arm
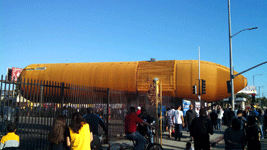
102, 124
92, 137
183, 120
147, 124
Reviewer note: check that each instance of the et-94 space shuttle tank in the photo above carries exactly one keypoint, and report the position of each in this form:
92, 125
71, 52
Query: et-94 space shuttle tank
177, 76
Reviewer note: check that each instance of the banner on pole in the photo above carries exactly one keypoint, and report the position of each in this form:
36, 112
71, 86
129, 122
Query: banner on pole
15, 73
186, 104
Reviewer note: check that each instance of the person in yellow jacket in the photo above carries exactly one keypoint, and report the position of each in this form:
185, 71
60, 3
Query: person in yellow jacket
78, 135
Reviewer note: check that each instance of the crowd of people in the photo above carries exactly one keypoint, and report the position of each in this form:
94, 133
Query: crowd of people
82, 132
245, 128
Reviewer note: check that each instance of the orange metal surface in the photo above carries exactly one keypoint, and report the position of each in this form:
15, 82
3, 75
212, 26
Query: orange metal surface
216, 77
177, 76
115, 75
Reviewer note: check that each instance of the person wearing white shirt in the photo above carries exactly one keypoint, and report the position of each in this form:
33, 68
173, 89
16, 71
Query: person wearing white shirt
220, 116
197, 111
178, 121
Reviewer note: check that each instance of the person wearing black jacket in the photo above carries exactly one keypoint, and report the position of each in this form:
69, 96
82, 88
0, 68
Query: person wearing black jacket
253, 134
230, 114
260, 117
146, 117
93, 120
213, 118
190, 115
200, 129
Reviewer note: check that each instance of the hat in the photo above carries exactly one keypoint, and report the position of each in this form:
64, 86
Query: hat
138, 107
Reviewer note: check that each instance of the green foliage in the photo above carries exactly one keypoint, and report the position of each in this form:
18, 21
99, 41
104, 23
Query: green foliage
263, 101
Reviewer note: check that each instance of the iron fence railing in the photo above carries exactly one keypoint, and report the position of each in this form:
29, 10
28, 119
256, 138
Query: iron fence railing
33, 105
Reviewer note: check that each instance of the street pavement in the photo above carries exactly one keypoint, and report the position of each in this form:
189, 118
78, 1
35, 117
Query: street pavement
171, 144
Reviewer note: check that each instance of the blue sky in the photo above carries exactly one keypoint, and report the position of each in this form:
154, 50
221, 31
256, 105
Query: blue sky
38, 31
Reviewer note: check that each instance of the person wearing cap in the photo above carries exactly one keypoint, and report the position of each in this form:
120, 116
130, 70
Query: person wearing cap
94, 120
138, 110
146, 117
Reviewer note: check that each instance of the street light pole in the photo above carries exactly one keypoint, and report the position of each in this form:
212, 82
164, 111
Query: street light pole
231, 59
253, 78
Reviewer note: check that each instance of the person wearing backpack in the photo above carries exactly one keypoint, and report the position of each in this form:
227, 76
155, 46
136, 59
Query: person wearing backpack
242, 120
201, 129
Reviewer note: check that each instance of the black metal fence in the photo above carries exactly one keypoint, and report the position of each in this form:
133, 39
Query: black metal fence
34, 104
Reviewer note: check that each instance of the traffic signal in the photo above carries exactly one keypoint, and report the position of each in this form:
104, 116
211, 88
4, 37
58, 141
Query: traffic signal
195, 89
253, 97
229, 87
9, 74
203, 86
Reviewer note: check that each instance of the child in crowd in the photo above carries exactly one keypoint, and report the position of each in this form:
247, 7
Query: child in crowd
189, 146
78, 134
57, 136
11, 140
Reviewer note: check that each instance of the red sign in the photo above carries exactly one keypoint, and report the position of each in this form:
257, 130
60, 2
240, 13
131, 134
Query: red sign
15, 73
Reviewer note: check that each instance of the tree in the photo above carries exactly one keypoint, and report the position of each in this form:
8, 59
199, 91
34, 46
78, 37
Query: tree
263, 101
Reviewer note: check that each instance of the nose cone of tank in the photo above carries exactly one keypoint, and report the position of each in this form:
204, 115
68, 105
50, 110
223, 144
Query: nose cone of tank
215, 75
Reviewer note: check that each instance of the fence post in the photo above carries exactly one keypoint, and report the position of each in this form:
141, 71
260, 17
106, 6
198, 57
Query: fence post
161, 117
156, 82
107, 124
62, 96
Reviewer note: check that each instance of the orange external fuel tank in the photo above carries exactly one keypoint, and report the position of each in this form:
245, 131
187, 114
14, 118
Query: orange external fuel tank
177, 76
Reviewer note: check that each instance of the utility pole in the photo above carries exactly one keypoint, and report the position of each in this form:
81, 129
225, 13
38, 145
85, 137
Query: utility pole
199, 96
231, 61
232, 76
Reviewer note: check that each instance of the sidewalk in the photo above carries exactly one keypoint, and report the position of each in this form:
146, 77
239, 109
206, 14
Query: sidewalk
171, 144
